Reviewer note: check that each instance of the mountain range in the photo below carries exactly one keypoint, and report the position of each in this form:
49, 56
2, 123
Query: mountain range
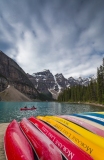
45, 82
40, 85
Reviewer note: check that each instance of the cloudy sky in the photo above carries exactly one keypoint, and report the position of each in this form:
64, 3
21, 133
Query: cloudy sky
64, 36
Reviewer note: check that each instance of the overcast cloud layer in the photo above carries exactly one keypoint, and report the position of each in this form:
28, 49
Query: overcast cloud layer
64, 36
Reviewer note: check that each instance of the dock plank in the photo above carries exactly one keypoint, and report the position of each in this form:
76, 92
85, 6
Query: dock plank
3, 127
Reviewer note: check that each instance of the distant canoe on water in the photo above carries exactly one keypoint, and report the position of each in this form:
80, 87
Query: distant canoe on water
26, 109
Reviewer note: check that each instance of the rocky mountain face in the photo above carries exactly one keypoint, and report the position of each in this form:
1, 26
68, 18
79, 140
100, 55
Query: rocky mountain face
46, 82
43, 82
12, 74
37, 84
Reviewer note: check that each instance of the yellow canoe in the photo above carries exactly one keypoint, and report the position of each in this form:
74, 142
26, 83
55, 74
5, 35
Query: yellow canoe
98, 112
92, 149
98, 140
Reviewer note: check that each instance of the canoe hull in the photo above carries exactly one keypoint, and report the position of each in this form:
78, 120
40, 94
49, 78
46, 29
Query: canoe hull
68, 149
42, 146
85, 124
16, 145
26, 109
95, 151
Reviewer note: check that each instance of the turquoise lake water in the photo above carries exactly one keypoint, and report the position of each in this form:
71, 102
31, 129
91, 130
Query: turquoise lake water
11, 110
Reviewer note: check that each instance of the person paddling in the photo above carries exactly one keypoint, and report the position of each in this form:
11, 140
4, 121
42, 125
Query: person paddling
25, 107
33, 107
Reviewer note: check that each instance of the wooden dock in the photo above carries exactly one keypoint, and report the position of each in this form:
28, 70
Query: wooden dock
3, 127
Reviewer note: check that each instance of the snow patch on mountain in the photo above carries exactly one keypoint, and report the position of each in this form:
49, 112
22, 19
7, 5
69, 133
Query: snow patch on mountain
56, 83
46, 82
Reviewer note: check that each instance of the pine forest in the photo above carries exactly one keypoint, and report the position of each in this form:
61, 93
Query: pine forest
93, 93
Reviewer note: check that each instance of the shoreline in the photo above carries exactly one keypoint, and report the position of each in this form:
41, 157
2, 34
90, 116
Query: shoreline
94, 104
88, 103
3, 127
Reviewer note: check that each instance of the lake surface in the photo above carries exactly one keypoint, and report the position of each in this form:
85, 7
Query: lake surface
11, 110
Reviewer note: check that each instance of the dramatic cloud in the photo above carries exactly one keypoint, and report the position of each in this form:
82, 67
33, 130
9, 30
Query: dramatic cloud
64, 36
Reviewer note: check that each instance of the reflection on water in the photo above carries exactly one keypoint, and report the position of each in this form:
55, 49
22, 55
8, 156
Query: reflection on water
11, 110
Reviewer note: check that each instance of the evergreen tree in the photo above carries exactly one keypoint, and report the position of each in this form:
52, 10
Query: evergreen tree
100, 84
94, 92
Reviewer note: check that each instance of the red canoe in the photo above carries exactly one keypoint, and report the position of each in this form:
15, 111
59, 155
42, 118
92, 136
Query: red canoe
42, 146
16, 145
26, 109
68, 149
